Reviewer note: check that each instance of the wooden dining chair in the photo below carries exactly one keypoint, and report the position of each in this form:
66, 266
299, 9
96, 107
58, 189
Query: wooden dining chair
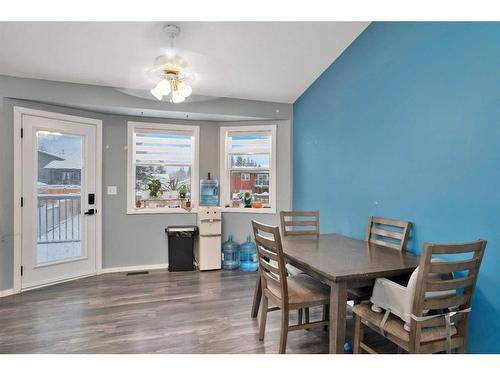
388, 232
439, 320
385, 232
299, 223
286, 292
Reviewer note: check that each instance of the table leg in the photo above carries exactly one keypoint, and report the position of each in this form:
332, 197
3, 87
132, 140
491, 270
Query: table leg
338, 306
257, 295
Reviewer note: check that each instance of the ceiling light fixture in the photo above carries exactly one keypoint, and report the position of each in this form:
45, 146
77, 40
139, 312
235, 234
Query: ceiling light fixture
169, 67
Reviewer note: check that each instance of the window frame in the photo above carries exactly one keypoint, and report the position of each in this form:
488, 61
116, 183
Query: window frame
225, 170
132, 126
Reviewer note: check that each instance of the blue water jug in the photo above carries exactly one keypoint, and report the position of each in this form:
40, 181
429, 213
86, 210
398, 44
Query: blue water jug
230, 254
209, 192
248, 256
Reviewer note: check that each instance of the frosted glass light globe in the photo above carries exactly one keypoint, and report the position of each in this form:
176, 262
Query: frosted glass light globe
176, 98
164, 87
185, 90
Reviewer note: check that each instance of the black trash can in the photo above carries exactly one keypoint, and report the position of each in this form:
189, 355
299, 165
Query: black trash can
180, 247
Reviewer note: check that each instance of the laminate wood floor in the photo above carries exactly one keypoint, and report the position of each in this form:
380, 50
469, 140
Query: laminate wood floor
161, 312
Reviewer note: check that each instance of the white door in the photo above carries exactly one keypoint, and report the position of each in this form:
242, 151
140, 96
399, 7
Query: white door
59, 200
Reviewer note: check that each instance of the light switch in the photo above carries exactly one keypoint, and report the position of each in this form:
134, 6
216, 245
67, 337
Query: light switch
112, 190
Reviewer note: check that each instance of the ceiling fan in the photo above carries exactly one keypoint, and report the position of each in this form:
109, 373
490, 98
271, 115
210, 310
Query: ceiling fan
172, 69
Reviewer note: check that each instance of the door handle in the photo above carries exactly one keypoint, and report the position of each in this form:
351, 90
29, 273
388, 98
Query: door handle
91, 211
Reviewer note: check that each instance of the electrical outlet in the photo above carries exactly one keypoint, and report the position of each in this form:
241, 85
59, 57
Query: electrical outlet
112, 190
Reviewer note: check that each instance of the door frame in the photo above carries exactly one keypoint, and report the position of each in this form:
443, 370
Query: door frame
18, 223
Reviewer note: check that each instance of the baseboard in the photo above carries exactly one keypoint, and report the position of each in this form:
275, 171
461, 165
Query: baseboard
7, 292
148, 267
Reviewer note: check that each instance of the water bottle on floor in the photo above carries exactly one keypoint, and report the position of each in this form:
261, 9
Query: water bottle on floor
248, 256
230, 254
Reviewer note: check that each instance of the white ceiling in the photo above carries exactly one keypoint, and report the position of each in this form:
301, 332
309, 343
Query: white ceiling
269, 61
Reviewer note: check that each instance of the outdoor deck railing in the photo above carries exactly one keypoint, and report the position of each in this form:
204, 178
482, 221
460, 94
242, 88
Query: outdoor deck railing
58, 218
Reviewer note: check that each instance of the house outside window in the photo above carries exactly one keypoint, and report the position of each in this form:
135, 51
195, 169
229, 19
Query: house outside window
248, 168
162, 168
262, 180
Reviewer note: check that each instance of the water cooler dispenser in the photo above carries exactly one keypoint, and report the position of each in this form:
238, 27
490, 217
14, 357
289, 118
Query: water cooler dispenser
208, 252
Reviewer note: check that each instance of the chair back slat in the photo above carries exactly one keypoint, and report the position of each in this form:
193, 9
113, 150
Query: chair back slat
268, 254
388, 232
435, 290
271, 260
445, 303
386, 244
268, 244
270, 267
447, 267
291, 220
271, 280
437, 286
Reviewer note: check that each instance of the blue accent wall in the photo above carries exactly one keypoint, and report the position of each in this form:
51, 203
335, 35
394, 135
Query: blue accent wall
406, 124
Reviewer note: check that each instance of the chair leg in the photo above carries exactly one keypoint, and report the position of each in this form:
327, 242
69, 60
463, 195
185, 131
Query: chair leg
299, 316
263, 318
358, 335
326, 315
284, 330
257, 295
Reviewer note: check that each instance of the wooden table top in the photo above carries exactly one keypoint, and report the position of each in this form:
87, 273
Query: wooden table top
338, 258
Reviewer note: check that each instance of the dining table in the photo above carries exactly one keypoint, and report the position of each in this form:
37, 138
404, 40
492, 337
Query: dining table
341, 262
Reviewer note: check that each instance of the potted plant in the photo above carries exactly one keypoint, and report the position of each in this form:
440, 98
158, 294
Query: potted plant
247, 200
183, 191
154, 188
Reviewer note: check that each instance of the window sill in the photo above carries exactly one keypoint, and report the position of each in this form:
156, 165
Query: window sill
249, 210
150, 211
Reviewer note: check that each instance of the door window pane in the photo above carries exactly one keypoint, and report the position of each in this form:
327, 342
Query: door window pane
59, 188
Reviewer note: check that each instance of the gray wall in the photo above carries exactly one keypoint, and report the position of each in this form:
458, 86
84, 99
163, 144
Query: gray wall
131, 240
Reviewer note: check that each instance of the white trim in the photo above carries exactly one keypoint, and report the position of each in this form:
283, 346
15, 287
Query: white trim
18, 220
149, 267
195, 182
99, 193
249, 210
17, 125
57, 282
224, 175
154, 211
7, 292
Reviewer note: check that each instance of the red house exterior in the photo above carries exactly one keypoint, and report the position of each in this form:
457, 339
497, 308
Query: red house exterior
255, 182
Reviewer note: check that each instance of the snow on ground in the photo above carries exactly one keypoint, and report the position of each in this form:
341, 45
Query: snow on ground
51, 252
54, 251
